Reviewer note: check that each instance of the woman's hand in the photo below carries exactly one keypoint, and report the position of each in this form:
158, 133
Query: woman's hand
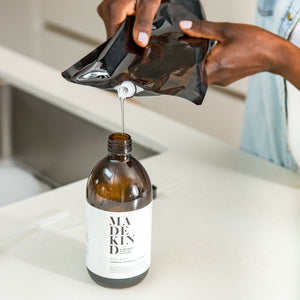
243, 50
114, 12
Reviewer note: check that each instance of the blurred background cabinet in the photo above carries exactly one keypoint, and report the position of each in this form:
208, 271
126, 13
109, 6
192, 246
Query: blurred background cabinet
59, 32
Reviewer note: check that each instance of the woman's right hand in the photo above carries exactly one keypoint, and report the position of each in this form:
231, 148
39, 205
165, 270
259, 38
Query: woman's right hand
114, 12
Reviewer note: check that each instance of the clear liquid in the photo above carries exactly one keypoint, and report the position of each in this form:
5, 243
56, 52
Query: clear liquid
122, 102
123, 93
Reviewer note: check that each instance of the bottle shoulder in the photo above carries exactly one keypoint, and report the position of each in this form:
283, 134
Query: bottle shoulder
113, 182
129, 169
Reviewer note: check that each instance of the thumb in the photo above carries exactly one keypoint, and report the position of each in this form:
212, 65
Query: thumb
203, 29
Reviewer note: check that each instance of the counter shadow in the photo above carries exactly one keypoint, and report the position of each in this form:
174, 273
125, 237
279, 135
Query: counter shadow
53, 252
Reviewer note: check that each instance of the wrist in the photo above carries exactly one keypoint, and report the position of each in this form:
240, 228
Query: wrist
268, 50
286, 63
281, 57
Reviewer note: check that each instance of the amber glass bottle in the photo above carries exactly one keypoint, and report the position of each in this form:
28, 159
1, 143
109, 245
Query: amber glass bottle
118, 217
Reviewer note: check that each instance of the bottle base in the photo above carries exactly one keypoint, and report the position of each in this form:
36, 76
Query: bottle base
117, 283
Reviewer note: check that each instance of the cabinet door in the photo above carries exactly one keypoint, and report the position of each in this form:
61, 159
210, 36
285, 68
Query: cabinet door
69, 30
75, 15
220, 115
15, 25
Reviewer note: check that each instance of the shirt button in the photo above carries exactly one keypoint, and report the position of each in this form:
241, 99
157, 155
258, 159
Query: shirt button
289, 16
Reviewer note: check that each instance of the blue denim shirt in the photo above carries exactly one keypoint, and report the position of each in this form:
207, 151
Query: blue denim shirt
264, 130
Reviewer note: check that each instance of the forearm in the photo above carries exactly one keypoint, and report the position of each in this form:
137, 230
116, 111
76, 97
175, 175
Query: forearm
287, 62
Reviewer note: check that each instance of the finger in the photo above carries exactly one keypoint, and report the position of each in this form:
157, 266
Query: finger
204, 29
145, 13
193, 42
114, 13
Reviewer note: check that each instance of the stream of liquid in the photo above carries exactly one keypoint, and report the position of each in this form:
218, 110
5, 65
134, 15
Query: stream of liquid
122, 102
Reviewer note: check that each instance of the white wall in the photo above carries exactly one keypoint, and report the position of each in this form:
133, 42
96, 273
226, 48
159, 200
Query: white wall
59, 32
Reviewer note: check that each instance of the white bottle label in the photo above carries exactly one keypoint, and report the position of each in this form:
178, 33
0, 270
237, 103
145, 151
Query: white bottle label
118, 243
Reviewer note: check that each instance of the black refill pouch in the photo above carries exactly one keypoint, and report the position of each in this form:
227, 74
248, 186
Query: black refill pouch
172, 63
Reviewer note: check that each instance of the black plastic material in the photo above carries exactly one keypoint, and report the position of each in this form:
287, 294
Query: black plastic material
171, 64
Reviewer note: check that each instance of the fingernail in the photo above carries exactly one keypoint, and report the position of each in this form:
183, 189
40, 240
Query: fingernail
143, 38
186, 24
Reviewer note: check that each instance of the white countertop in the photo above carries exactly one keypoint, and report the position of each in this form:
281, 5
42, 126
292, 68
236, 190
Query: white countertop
226, 225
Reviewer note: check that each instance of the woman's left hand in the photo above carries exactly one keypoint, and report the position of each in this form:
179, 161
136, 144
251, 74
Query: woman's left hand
243, 50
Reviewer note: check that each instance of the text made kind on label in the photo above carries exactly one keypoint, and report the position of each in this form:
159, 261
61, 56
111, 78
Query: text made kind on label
120, 234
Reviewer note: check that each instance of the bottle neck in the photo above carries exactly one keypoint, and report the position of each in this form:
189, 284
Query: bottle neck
119, 146
119, 157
